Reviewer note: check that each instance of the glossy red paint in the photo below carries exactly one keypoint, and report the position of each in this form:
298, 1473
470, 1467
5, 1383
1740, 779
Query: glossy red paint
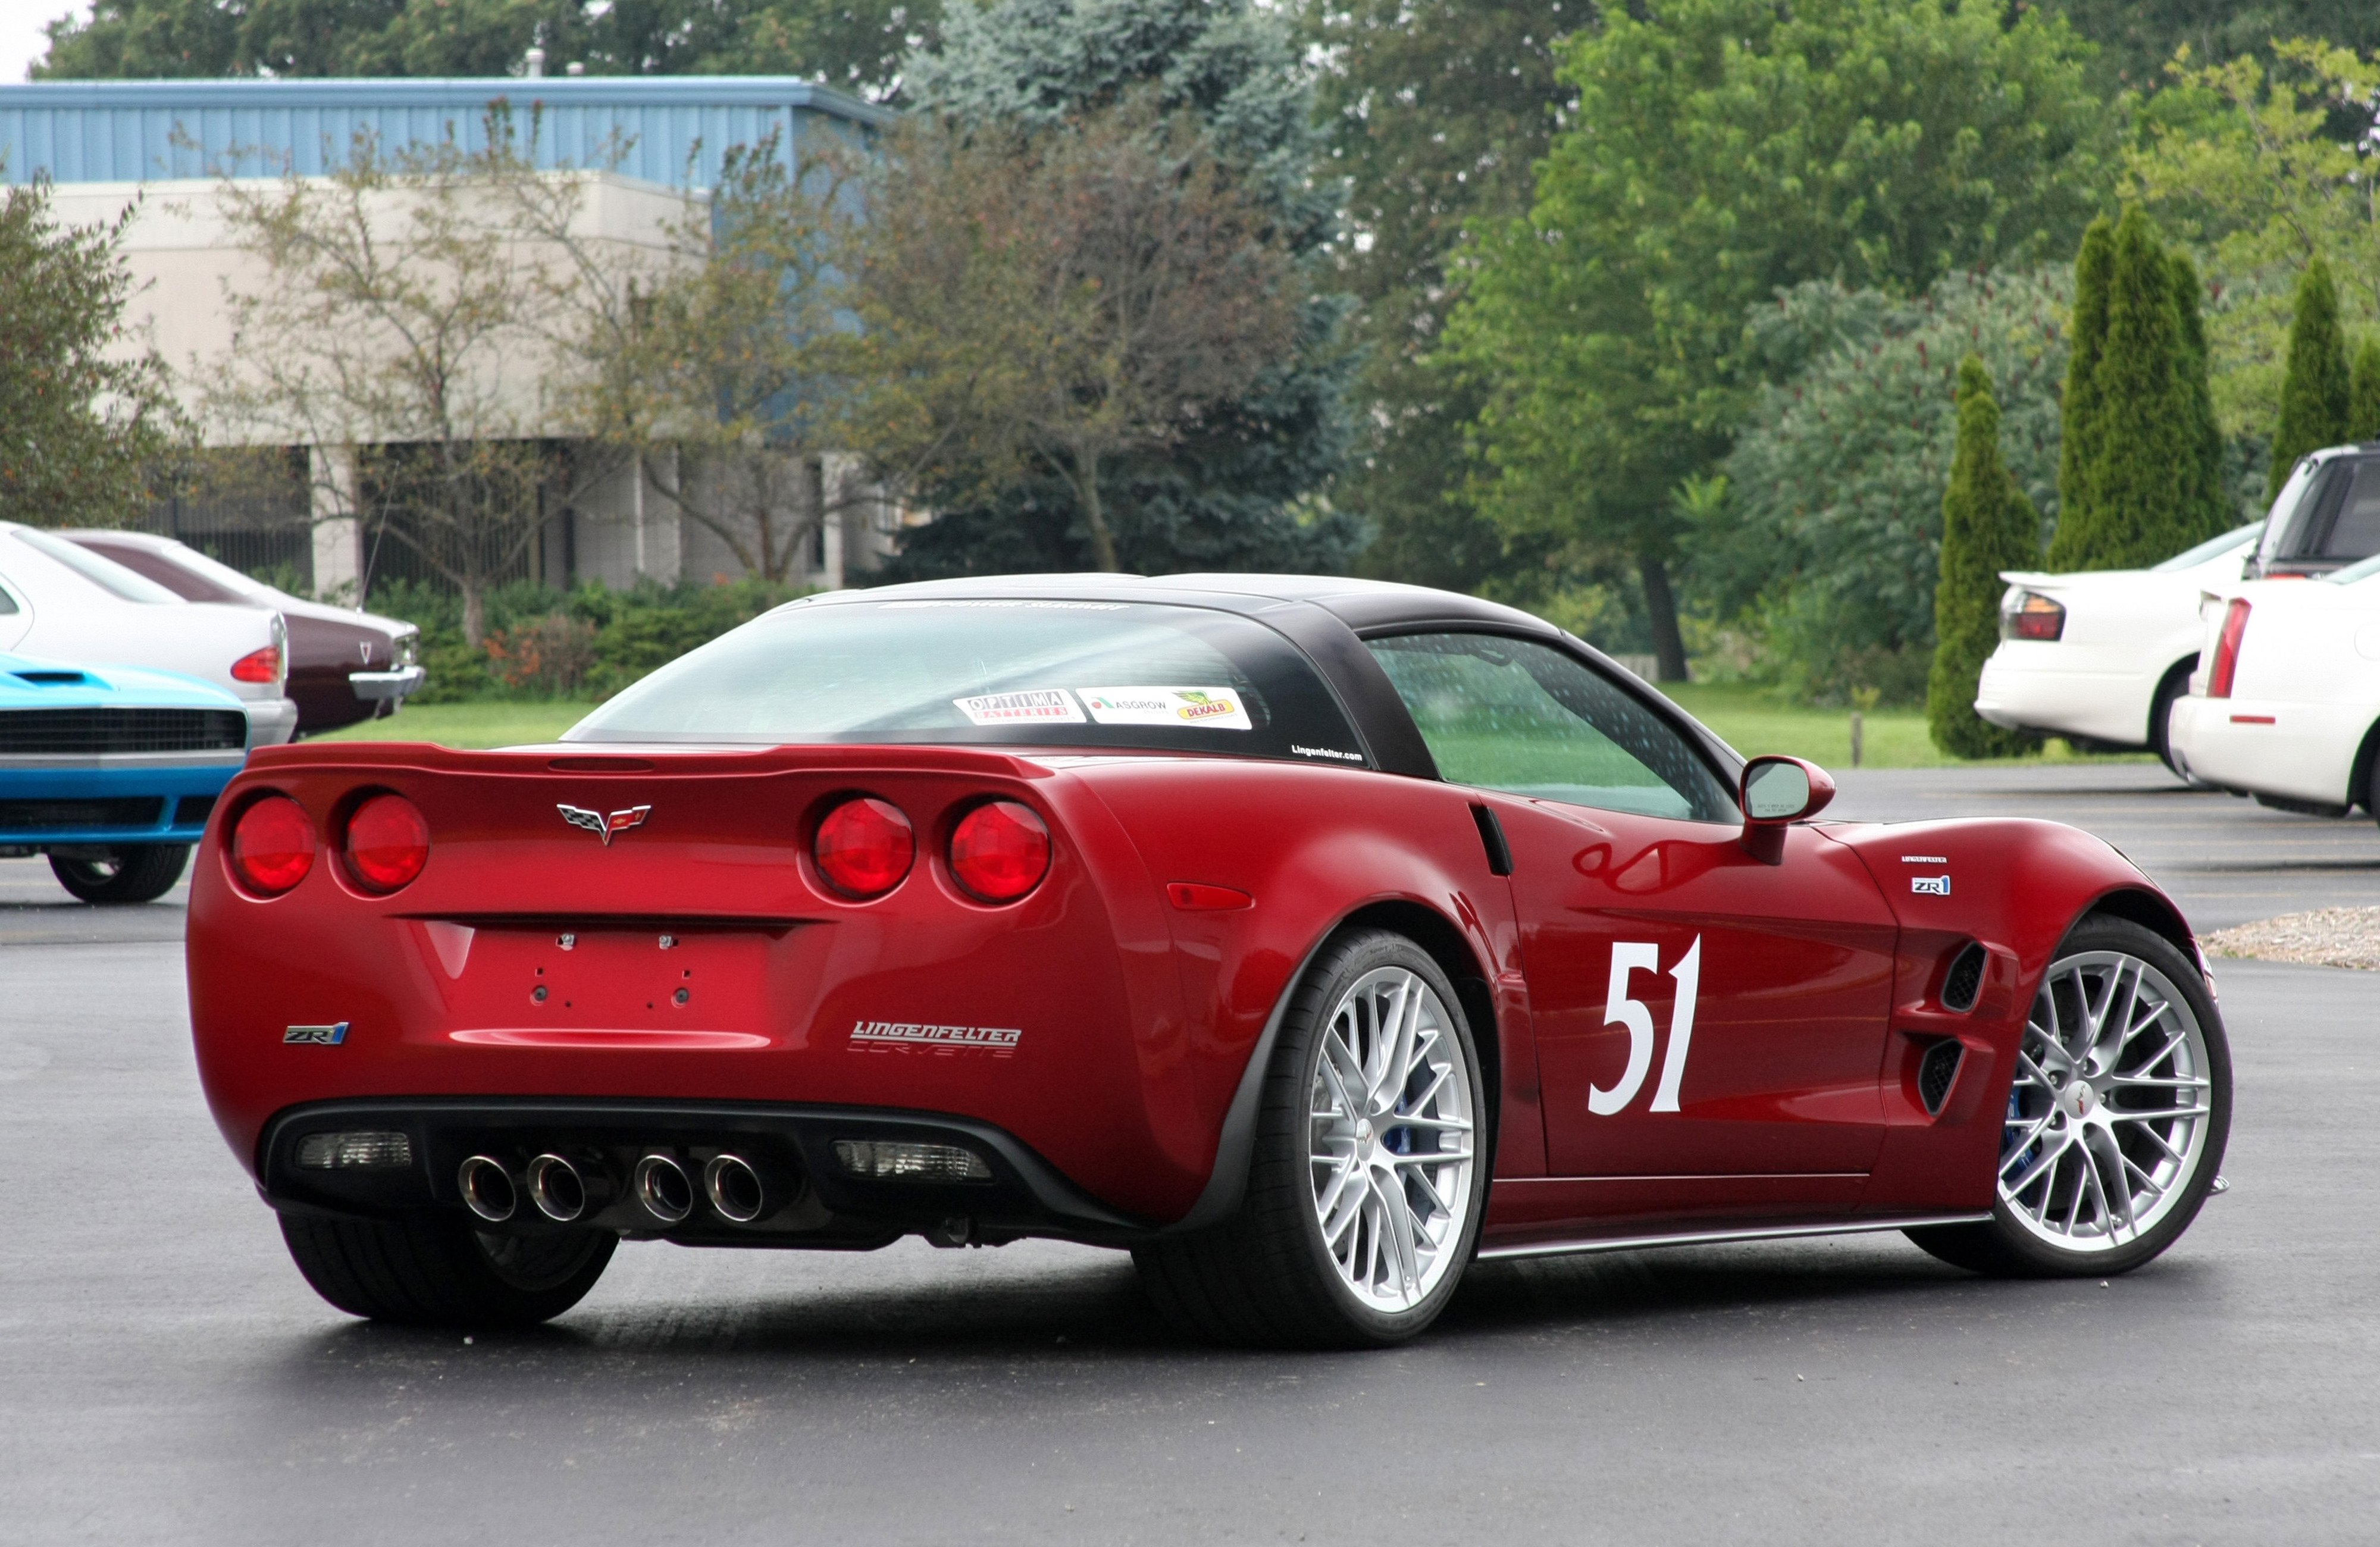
700, 955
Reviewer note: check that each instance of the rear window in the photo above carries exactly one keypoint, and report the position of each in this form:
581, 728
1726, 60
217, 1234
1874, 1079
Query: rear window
995, 672
2355, 530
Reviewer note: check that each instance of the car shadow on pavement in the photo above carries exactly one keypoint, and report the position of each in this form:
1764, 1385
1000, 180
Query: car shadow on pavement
1094, 1306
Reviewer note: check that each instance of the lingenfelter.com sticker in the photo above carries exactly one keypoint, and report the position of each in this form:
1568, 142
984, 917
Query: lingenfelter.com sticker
1035, 706
1214, 707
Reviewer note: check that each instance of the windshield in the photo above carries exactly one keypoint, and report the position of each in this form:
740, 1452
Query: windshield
109, 577
2213, 548
994, 672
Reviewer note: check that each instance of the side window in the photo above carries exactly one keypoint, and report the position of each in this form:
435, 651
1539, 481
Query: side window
2355, 530
7, 603
1512, 715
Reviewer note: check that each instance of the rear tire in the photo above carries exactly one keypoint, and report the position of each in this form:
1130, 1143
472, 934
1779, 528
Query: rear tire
1353, 1232
2093, 1180
432, 1271
131, 873
2169, 693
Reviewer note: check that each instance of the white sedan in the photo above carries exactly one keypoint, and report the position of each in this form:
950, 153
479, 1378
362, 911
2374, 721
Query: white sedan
66, 604
2287, 709
2100, 657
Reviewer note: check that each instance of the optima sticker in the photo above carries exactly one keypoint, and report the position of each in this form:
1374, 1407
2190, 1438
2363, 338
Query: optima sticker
1211, 707
1040, 706
999, 1039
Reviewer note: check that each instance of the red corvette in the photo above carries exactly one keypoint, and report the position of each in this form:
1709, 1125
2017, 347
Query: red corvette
1309, 938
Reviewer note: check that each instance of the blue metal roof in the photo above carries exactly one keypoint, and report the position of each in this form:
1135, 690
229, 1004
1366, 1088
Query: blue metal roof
148, 130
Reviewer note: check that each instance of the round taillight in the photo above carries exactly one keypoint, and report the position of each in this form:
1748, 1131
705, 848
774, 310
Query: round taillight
272, 846
387, 843
865, 847
1000, 851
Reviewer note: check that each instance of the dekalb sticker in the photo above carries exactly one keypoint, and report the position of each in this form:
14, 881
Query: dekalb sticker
1039, 706
1214, 707
1930, 885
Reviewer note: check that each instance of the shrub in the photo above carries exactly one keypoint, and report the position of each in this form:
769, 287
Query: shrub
1987, 526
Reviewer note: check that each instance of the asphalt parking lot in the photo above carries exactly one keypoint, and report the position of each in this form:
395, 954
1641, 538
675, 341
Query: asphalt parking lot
166, 1376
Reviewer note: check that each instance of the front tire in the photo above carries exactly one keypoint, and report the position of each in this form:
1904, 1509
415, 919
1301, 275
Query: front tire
432, 1271
2117, 1119
131, 872
1369, 1180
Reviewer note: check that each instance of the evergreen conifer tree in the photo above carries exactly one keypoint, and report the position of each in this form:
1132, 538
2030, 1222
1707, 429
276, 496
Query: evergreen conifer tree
2315, 393
2077, 419
1987, 526
2147, 452
2363, 394
2206, 511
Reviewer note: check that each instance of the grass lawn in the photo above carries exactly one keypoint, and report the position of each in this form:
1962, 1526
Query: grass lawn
1751, 723
1754, 723
470, 724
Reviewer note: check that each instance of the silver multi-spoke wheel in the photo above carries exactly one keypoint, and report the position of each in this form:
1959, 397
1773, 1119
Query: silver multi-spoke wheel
1391, 1139
2109, 1115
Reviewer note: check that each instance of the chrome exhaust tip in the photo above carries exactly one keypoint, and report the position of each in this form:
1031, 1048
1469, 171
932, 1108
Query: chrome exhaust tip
734, 1189
557, 1188
661, 1185
487, 1189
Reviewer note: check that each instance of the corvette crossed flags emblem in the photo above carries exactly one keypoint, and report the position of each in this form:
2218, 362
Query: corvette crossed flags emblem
604, 826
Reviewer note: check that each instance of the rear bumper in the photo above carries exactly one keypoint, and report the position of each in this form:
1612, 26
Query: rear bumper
812, 1200
2029, 685
270, 722
2304, 752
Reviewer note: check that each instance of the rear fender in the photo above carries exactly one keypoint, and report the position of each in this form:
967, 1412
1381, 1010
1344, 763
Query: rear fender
1317, 851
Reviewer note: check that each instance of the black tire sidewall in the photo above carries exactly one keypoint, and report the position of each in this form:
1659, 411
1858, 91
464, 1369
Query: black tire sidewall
1284, 1134
144, 873
2030, 1254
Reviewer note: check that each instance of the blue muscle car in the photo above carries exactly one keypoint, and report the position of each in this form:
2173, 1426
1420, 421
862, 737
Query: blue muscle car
111, 771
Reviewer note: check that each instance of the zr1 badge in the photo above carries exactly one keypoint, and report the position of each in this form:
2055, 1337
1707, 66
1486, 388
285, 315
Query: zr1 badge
1629, 956
317, 1036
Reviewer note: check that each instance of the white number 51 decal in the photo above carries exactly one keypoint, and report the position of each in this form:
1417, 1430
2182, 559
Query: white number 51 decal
1628, 956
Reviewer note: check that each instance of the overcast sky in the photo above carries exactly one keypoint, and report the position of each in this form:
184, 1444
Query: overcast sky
22, 38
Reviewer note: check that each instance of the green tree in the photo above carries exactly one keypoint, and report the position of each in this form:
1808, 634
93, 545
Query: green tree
1436, 111
1721, 149
1830, 550
2363, 397
1987, 526
2137, 37
1045, 305
87, 419
2259, 169
2315, 396
2141, 480
2079, 419
1237, 485
2206, 509
853, 44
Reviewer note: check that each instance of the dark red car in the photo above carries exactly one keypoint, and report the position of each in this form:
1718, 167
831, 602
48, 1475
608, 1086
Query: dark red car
345, 666
1309, 938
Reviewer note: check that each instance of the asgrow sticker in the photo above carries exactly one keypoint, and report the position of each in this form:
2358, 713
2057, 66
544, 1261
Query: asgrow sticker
1214, 707
1038, 706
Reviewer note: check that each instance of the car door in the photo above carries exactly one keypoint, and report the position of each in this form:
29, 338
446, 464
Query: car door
1698, 1013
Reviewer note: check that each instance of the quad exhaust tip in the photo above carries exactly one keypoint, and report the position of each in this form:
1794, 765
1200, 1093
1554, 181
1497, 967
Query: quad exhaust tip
557, 1188
661, 1185
734, 1189
488, 1190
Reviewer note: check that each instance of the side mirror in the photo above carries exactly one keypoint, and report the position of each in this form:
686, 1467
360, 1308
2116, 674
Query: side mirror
1776, 792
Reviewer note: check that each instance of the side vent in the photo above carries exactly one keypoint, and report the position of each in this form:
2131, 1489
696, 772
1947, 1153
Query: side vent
1964, 982
1936, 1072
